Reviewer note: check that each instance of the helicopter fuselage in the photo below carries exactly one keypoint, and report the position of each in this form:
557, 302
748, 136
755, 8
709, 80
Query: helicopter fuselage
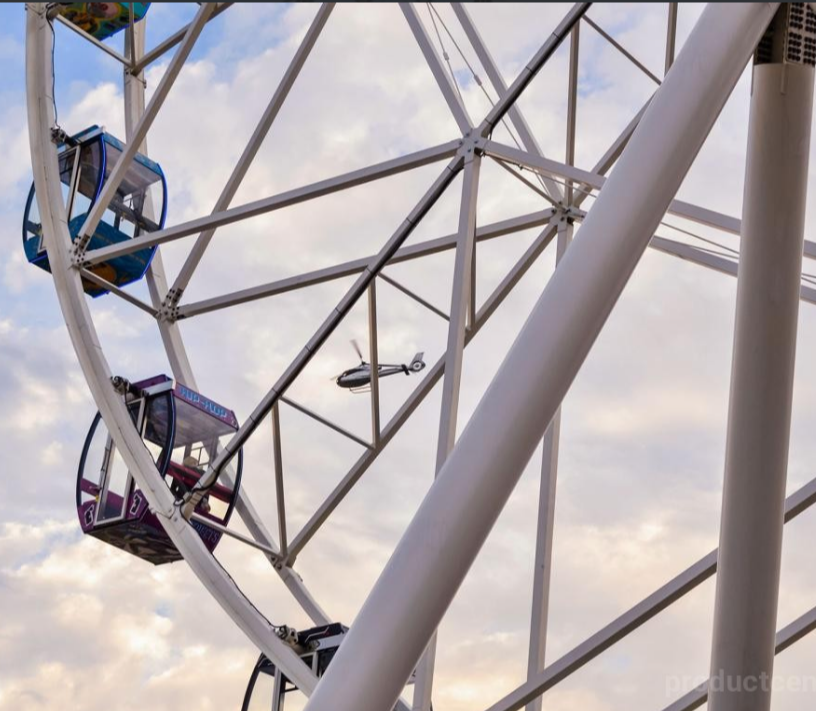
360, 376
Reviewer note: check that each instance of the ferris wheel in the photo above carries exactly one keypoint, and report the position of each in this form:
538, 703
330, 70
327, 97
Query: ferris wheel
160, 474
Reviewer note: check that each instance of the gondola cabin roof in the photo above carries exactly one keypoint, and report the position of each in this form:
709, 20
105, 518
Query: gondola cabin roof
202, 410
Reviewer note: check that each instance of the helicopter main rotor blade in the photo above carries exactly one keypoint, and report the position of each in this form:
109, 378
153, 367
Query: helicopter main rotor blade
356, 347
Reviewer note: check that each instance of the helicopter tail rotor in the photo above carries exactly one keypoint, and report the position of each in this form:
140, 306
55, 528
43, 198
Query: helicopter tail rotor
417, 363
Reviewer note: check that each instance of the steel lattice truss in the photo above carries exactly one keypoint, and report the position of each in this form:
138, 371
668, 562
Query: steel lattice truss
564, 185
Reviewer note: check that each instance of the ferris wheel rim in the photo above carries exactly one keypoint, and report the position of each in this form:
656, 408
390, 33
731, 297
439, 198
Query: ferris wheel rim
79, 323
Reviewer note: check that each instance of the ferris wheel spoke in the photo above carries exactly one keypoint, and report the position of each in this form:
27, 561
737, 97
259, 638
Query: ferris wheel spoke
140, 131
495, 77
419, 393
618, 46
165, 46
252, 147
355, 266
95, 42
116, 291
452, 98
325, 330
288, 198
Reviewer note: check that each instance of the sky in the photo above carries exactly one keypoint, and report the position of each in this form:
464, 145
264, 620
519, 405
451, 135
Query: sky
88, 627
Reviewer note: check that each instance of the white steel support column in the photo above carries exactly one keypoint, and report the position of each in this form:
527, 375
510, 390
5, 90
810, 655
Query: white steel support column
374, 362
539, 617
134, 91
428, 565
762, 371
671, 37
542, 570
460, 303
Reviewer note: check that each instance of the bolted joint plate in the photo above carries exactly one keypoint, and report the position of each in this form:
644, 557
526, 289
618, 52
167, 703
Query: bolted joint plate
471, 145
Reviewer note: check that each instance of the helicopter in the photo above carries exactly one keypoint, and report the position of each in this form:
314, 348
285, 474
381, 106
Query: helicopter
358, 379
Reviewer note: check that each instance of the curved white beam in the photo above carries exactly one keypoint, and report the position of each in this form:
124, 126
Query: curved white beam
95, 367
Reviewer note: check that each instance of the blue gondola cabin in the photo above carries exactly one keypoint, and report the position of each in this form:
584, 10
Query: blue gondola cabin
85, 163
182, 430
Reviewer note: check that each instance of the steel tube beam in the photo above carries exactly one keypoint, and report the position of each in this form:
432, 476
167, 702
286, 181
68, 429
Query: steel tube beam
280, 494
617, 45
450, 526
418, 395
713, 261
759, 415
411, 295
251, 150
323, 421
796, 630
276, 202
134, 92
374, 361
145, 122
454, 356
95, 42
116, 291
500, 87
355, 266
457, 108
168, 44
671, 37
542, 571
522, 81
635, 617
572, 103
323, 332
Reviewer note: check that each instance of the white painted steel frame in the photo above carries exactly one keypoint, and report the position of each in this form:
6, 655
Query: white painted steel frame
762, 372
368, 268
95, 368
635, 617
461, 290
447, 532
122, 164
134, 94
252, 147
286, 199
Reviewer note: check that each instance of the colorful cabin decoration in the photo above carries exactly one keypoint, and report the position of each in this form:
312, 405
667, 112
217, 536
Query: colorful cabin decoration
101, 19
85, 163
183, 431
